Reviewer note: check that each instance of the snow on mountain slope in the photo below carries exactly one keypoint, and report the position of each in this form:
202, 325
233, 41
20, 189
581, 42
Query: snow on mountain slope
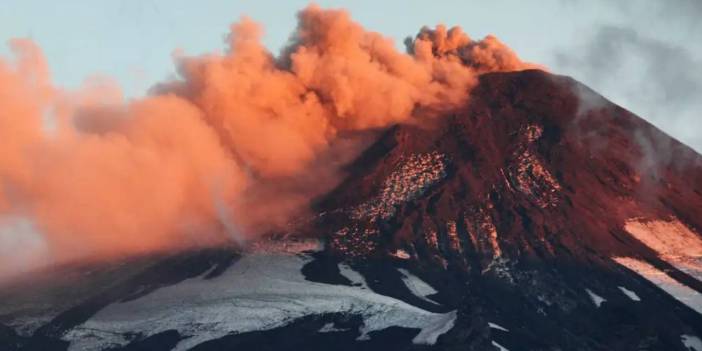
683, 293
418, 287
692, 342
669, 238
507, 211
596, 299
677, 245
261, 291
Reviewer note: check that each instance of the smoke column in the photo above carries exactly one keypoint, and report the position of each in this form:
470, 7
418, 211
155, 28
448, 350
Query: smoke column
233, 148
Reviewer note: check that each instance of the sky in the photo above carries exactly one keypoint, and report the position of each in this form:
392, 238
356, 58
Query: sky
645, 55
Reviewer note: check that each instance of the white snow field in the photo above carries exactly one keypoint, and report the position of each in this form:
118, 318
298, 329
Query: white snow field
261, 291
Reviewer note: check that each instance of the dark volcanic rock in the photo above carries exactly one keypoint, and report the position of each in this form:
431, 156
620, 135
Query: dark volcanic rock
524, 159
519, 201
513, 209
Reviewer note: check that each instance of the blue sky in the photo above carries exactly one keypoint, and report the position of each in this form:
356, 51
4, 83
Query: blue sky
132, 41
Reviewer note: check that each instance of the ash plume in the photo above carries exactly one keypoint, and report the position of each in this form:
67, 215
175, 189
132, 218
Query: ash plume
234, 147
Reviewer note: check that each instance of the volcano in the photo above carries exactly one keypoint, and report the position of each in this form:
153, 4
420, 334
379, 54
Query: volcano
539, 216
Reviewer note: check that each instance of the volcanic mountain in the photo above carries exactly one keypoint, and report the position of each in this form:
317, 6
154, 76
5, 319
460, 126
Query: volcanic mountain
539, 216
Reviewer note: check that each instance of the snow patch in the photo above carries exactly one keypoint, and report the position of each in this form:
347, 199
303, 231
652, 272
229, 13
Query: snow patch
690, 265
429, 334
691, 342
417, 286
26, 326
259, 292
355, 277
499, 347
329, 328
675, 243
669, 238
497, 326
682, 293
630, 294
596, 299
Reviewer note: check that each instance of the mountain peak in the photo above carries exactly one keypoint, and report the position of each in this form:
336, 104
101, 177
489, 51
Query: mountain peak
538, 216
534, 166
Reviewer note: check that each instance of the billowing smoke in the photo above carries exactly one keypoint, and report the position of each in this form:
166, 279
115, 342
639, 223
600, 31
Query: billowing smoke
232, 149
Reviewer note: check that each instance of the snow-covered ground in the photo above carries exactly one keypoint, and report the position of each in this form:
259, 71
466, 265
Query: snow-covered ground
674, 241
689, 265
417, 286
630, 294
676, 244
692, 342
596, 299
499, 347
670, 238
355, 277
497, 326
261, 291
683, 293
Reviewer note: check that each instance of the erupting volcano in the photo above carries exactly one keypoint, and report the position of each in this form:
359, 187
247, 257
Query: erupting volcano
344, 195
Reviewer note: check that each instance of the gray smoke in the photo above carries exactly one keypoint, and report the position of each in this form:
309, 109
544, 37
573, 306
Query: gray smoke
643, 68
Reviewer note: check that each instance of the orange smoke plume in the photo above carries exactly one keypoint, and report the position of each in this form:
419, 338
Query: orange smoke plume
225, 152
